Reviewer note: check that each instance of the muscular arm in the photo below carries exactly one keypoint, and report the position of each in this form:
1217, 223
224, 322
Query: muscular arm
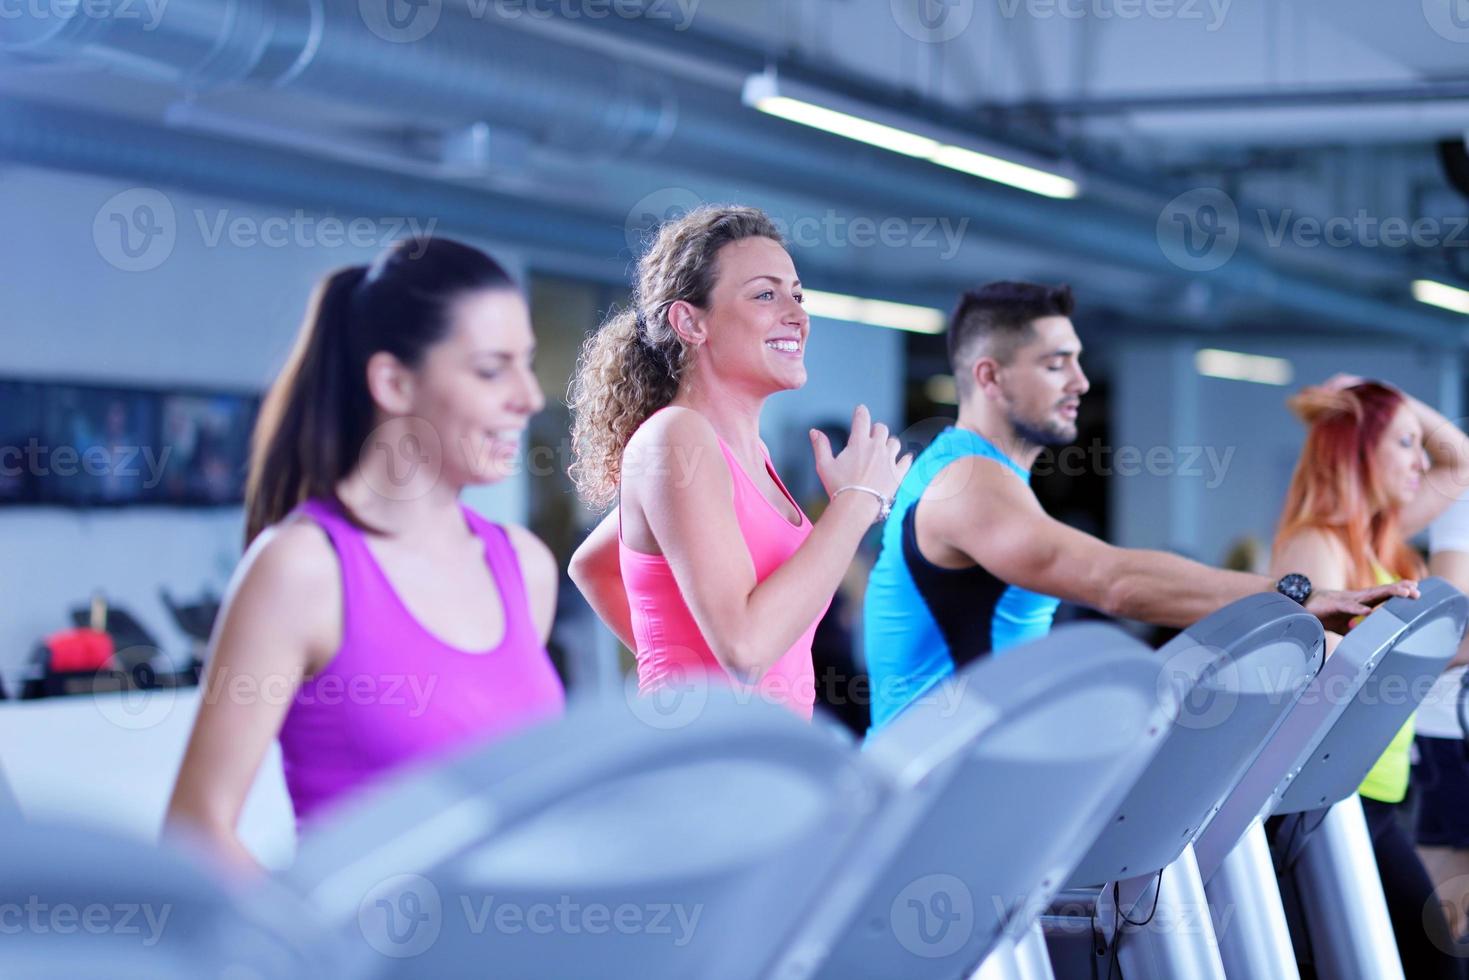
282, 613
690, 512
598, 574
976, 510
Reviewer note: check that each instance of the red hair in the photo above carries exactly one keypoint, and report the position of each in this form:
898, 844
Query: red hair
1336, 487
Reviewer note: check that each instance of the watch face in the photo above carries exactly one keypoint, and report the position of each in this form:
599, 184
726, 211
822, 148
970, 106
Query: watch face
1296, 587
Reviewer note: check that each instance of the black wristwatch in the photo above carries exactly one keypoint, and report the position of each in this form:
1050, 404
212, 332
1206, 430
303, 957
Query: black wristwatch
1295, 586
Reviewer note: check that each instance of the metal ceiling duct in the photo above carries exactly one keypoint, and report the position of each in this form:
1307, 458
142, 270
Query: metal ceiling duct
466, 69
462, 69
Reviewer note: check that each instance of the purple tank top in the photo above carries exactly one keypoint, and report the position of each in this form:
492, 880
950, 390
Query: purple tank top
396, 694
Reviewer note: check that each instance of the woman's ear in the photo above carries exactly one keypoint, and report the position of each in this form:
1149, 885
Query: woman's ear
390, 383
687, 321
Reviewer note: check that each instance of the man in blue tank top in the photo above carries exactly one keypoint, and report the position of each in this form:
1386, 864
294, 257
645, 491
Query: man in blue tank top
972, 565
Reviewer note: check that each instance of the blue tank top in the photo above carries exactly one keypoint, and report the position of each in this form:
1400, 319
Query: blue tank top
921, 622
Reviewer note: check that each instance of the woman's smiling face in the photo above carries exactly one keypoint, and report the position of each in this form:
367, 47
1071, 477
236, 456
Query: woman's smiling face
757, 329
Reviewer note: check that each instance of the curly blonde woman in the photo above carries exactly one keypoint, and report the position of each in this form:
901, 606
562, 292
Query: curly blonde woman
707, 566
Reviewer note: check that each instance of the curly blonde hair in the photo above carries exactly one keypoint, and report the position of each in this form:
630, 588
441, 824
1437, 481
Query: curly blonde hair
631, 366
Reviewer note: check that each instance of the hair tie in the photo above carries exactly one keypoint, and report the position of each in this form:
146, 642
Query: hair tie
642, 331
659, 352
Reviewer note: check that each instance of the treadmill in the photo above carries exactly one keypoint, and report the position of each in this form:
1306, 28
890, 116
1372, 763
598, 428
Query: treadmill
1309, 774
1137, 897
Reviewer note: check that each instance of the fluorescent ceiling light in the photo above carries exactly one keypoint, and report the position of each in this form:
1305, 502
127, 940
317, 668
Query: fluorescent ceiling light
874, 312
809, 107
1234, 366
1005, 172
852, 127
1441, 295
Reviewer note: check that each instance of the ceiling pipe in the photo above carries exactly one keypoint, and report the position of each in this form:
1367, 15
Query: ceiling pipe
591, 245
460, 71
589, 102
1310, 98
1287, 125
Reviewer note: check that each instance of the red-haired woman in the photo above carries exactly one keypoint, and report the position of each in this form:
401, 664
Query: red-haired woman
1377, 467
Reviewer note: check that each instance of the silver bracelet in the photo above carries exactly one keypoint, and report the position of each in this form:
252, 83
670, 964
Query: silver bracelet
886, 503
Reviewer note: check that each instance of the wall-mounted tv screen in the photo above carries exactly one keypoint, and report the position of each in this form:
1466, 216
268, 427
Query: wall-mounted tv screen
21, 441
102, 445
83, 445
207, 440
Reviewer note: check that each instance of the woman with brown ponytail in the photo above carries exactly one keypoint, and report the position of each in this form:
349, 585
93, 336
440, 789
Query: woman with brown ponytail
707, 566
375, 621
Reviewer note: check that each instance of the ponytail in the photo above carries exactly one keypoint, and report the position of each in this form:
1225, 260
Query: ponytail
315, 411
622, 377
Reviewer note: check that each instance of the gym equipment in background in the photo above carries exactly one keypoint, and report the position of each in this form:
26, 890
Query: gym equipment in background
196, 620
64, 665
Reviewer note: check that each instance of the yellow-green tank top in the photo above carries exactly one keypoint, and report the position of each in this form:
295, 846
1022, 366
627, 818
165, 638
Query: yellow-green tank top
1387, 780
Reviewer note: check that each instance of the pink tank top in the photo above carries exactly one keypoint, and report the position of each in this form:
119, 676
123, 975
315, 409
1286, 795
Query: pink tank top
394, 693
669, 641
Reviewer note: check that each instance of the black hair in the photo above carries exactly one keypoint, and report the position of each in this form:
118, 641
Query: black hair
1000, 315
